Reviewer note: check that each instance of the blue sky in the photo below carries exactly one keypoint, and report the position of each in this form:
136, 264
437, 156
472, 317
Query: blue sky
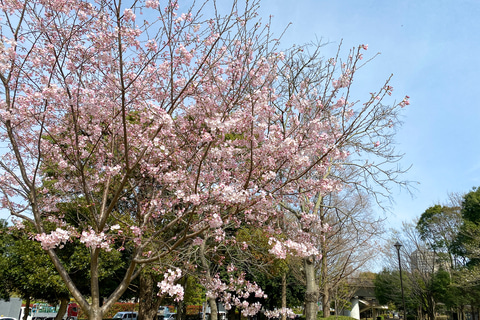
432, 49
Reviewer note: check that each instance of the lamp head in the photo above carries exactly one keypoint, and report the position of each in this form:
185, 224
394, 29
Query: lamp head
397, 245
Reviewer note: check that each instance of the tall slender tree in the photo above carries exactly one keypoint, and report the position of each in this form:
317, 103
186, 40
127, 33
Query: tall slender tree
369, 161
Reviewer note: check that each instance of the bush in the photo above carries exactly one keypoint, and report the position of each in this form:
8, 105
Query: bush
194, 310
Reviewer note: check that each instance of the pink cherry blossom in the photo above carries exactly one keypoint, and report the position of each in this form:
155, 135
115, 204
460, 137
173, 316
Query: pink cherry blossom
277, 313
91, 239
343, 81
136, 231
152, 4
54, 239
129, 15
168, 286
405, 102
215, 221
18, 224
236, 292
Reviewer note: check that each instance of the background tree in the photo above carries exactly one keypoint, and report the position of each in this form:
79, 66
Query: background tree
4, 242
438, 226
426, 273
28, 271
441, 255
465, 245
387, 286
270, 282
467, 238
360, 127
349, 243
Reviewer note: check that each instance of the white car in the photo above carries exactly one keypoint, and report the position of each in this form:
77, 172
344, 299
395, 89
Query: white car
129, 315
171, 316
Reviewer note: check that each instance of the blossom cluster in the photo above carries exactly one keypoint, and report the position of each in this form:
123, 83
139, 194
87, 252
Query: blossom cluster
281, 248
342, 82
236, 292
93, 240
405, 101
18, 224
55, 238
59, 237
277, 313
168, 286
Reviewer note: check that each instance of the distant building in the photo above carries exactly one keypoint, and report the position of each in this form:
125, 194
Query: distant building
427, 261
363, 302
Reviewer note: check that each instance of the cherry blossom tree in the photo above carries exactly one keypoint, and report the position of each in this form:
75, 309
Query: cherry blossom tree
362, 163
159, 124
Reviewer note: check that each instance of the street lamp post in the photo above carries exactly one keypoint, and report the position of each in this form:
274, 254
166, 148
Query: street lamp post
397, 246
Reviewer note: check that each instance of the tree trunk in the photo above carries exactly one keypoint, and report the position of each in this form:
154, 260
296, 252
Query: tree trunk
212, 302
213, 308
325, 288
63, 309
27, 308
326, 301
149, 302
311, 293
181, 308
95, 314
431, 308
231, 313
284, 294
